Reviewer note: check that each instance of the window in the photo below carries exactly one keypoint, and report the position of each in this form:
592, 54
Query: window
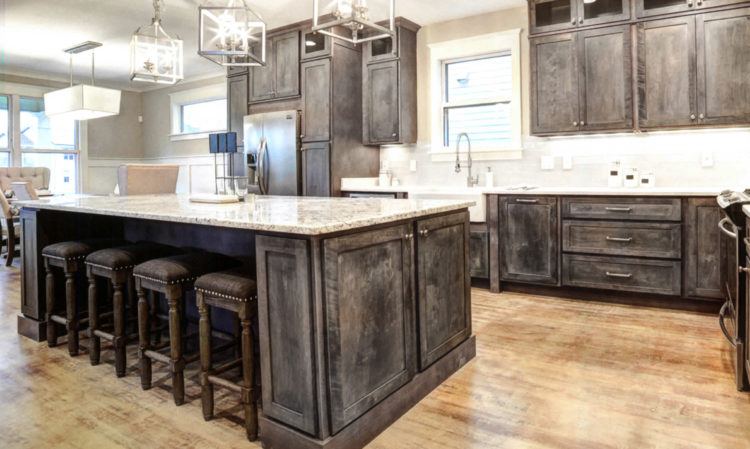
63, 169
4, 131
477, 98
39, 132
475, 88
206, 116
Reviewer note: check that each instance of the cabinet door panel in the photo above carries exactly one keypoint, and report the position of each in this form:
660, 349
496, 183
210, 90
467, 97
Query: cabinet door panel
382, 102
261, 78
371, 340
237, 103
554, 84
444, 285
603, 11
316, 100
650, 8
723, 67
316, 170
479, 247
606, 79
666, 73
529, 239
703, 249
552, 15
286, 64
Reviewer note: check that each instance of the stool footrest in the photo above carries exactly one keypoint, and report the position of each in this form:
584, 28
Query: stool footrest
59, 319
159, 357
216, 380
226, 367
104, 335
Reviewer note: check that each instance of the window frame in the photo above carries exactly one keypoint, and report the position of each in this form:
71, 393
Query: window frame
76, 131
194, 96
9, 131
465, 49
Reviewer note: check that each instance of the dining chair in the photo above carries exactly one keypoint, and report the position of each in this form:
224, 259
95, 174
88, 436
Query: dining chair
11, 229
24, 191
147, 179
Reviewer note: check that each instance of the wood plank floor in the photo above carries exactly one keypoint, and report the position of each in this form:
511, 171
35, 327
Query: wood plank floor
549, 373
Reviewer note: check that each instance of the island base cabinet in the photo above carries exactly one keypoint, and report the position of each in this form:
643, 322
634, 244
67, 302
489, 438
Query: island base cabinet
444, 285
369, 308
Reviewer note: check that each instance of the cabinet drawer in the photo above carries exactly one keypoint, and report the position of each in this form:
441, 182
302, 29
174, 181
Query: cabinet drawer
616, 273
623, 239
657, 209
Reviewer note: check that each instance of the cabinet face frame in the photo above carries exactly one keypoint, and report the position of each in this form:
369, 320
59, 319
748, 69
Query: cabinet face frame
623, 16
571, 23
642, 12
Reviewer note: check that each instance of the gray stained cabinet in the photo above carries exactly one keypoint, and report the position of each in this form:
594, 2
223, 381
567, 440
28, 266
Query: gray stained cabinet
444, 301
479, 247
529, 241
280, 77
237, 104
561, 15
383, 102
316, 169
582, 81
702, 249
650, 8
316, 100
363, 367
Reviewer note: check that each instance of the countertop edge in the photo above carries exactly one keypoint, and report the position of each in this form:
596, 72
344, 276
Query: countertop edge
582, 191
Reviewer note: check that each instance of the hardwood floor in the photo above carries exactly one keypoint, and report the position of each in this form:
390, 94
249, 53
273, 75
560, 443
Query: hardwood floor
549, 373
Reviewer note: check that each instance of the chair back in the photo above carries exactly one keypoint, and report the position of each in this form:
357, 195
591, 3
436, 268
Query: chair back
5, 209
138, 179
24, 191
37, 176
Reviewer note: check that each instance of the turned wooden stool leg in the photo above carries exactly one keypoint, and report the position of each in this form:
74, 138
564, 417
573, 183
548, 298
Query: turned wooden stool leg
71, 307
177, 363
207, 389
95, 347
144, 340
248, 376
154, 301
50, 303
118, 309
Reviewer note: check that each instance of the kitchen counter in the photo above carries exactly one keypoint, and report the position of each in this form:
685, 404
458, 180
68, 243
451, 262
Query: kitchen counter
561, 191
746, 210
306, 216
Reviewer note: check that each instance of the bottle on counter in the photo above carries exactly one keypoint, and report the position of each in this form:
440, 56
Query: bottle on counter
648, 180
614, 180
631, 178
489, 178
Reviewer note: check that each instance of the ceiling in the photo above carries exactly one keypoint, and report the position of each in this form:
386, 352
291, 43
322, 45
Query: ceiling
33, 33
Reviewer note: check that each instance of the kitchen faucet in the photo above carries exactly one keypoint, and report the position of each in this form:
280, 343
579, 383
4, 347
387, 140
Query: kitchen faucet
471, 181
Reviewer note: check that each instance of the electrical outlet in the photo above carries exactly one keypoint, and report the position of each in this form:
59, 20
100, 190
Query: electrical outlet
548, 162
412, 165
707, 160
567, 162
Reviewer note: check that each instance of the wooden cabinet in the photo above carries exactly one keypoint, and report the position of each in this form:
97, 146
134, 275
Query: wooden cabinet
650, 8
280, 77
723, 67
314, 45
582, 81
703, 242
237, 105
554, 84
316, 100
561, 15
444, 301
623, 274
479, 247
666, 73
316, 169
368, 359
528, 239
389, 87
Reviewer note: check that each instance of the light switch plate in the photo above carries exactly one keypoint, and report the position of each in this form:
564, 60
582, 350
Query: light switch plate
567, 162
413, 165
548, 162
707, 159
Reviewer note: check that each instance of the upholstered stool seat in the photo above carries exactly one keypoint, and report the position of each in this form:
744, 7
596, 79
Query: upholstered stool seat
69, 256
171, 276
116, 265
236, 291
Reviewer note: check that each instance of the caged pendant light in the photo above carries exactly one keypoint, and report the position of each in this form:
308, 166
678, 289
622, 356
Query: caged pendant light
231, 34
352, 16
154, 55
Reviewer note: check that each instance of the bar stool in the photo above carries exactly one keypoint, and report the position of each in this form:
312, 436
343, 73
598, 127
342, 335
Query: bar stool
236, 292
116, 265
173, 277
68, 256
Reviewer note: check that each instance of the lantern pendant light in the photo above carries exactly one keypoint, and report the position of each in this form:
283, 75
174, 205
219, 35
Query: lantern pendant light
352, 16
154, 55
231, 34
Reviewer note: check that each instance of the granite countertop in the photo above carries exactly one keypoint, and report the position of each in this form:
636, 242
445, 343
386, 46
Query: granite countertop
518, 190
292, 215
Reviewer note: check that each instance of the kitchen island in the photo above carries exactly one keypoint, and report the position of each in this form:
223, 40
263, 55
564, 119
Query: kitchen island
364, 305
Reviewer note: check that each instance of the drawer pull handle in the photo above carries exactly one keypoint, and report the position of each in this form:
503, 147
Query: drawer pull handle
618, 209
619, 275
527, 201
619, 239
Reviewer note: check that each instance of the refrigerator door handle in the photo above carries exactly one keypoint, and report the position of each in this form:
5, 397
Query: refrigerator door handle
262, 181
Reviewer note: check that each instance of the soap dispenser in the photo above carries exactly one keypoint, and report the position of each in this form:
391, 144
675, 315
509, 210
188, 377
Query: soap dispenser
489, 178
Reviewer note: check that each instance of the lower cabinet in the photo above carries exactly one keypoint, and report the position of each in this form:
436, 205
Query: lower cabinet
444, 301
479, 248
623, 274
529, 241
703, 249
316, 169
364, 366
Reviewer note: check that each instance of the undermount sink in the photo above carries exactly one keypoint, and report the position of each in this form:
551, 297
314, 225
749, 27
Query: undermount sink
477, 213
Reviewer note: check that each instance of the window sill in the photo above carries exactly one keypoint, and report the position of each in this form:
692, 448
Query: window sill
193, 136
447, 155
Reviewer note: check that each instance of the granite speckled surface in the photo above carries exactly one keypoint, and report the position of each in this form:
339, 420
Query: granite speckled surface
561, 191
292, 215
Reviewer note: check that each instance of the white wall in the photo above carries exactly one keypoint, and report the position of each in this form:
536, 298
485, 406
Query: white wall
675, 156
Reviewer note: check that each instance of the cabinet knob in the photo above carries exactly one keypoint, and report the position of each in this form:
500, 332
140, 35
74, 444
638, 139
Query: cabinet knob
692, 116
702, 116
575, 123
573, 21
583, 123
580, 20
301, 136
699, 2
690, 3
424, 232
394, 135
409, 236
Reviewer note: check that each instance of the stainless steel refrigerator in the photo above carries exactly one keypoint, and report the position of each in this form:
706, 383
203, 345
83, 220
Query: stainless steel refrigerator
272, 152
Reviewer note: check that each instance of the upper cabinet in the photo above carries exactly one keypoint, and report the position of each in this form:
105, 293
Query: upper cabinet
237, 104
314, 45
280, 77
558, 15
582, 82
650, 8
389, 88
